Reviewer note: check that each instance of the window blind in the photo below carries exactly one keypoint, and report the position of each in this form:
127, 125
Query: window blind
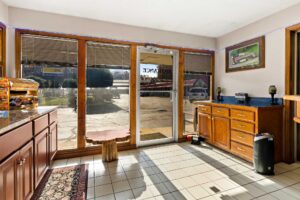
197, 63
108, 55
48, 50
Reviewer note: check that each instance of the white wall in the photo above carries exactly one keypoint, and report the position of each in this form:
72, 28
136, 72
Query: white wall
3, 12
256, 82
29, 19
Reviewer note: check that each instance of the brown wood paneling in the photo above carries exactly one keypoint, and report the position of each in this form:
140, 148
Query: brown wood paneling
40, 124
221, 132
133, 77
81, 96
14, 139
8, 178
3, 49
18, 54
243, 126
180, 94
41, 155
242, 150
26, 176
52, 141
220, 111
241, 137
53, 117
242, 115
205, 125
204, 109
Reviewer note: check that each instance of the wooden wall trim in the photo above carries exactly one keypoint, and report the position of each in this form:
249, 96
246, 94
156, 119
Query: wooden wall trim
181, 96
3, 27
18, 54
81, 95
133, 77
289, 138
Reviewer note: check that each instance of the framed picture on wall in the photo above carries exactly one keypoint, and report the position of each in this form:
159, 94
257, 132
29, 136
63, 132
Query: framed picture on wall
246, 55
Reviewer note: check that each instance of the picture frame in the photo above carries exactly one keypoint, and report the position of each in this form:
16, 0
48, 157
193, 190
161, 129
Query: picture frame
246, 55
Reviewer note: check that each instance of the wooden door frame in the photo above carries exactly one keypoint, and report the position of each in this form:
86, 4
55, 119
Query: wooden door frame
81, 150
289, 138
3, 27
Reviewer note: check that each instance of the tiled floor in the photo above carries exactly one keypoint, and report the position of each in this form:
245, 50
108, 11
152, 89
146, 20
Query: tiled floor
184, 171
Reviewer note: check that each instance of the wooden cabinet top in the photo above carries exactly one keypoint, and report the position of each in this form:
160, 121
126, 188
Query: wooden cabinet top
244, 106
12, 119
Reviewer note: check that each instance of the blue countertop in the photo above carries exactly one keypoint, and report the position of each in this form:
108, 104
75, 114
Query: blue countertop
252, 102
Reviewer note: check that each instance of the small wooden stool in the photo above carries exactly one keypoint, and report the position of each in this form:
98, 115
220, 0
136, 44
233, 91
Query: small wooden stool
108, 139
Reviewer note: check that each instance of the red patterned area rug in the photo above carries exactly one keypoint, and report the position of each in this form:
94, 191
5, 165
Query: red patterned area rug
66, 183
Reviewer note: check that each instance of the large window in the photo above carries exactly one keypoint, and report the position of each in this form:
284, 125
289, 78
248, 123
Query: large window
107, 87
197, 84
52, 62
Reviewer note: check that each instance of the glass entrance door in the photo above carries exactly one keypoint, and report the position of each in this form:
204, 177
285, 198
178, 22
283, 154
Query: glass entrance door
156, 95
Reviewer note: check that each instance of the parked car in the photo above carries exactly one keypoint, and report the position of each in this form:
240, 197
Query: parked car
197, 93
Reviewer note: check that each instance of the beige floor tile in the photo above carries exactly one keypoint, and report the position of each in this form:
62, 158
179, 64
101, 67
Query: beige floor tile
267, 197
280, 194
103, 190
182, 195
142, 193
125, 195
198, 192
254, 190
121, 186
106, 197
102, 180
91, 193
187, 182
118, 177
239, 193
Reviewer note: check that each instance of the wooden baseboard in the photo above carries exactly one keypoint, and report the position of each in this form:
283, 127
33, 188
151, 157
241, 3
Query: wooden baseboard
88, 151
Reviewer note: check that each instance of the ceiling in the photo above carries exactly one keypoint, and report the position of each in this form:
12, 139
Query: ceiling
211, 18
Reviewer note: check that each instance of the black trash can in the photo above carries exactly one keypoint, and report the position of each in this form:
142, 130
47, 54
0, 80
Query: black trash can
264, 154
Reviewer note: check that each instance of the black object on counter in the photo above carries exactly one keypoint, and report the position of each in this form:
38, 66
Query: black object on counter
197, 140
264, 154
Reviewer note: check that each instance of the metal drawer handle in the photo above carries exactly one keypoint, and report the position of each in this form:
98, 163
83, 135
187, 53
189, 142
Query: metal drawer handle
240, 149
241, 137
242, 126
20, 162
240, 115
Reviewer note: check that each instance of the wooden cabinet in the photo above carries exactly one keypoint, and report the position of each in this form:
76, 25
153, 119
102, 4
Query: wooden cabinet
52, 141
9, 178
26, 171
221, 132
233, 127
204, 121
25, 155
41, 156
16, 175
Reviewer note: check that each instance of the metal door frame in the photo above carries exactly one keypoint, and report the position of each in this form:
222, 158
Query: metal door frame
174, 94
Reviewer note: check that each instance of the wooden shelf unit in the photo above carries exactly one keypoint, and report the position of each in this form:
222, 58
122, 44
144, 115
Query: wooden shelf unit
233, 127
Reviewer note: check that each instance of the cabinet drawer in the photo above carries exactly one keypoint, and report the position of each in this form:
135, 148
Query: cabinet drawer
243, 126
220, 111
14, 139
242, 150
241, 137
40, 124
204, 109
243, 115
53, 117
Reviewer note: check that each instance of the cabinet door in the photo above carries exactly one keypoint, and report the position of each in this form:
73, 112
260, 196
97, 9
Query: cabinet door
221, 132
26, 174
8, 178
41, 155
52, 142
204, 122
